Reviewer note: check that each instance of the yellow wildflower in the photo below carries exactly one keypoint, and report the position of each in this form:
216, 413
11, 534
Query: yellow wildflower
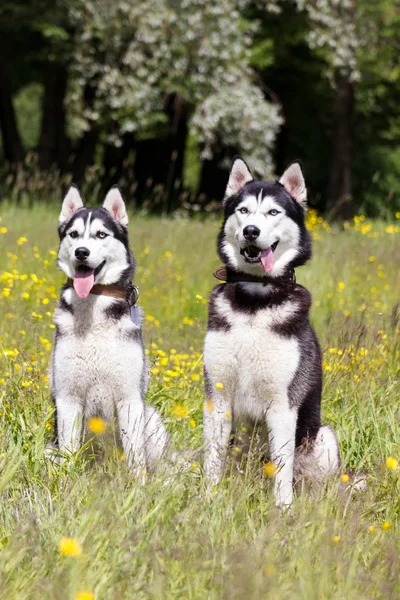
392, 463
345, 478
336, 539
208, 406
270, 469
386, 525
96, 425
69, 546
84, 595
219, 386
180, 411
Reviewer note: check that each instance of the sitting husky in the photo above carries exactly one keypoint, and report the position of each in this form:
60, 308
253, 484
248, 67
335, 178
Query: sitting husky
98, 364
259, 344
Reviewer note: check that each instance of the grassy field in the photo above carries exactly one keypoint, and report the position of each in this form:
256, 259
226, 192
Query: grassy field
168, 539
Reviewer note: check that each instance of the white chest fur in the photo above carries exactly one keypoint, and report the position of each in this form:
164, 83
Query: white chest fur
255, 364
97, 359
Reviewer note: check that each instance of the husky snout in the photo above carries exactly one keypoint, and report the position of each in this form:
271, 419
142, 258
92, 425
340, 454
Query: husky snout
82, 253
251, 233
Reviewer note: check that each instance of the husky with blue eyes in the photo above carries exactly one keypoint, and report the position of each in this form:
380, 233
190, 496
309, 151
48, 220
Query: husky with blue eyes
98, 365
259, 344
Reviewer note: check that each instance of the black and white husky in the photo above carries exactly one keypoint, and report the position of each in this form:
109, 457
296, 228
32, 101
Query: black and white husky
259, 344
98, 364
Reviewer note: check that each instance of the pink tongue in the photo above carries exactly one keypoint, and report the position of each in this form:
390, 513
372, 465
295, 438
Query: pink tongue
267, 259
83, 283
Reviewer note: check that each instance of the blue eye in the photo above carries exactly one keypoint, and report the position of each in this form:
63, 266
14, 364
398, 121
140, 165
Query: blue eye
101, 235
273, 212
243, 210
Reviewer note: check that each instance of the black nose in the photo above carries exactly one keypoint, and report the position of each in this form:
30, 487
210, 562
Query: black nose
251, 232
82, 253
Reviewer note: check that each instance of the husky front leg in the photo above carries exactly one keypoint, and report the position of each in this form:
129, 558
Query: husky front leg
217, 429
69, 423
281, 422
131, 418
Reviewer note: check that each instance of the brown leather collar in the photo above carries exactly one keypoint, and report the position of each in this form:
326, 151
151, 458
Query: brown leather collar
229, 276
113, 290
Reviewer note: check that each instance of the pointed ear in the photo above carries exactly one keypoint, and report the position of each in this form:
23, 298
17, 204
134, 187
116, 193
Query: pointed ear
72, 202
293, 181
238, 177
116, 206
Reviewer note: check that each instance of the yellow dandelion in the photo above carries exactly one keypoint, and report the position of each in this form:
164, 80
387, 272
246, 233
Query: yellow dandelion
270, 469
371, 529
21, 240
69, 546
84, 595
96, 425
371, 259
195, 377
3, 229
392, 463
180, 411
208, 407
192, 423
336, 539
341, 286
219, 386
386, 525
345, 478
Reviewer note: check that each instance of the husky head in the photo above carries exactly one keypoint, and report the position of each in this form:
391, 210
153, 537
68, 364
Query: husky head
264, 231
94, 245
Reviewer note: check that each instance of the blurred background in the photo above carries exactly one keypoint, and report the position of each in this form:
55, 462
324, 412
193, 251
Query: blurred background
159, 95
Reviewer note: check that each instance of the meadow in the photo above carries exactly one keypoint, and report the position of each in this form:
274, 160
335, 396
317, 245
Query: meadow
86, 530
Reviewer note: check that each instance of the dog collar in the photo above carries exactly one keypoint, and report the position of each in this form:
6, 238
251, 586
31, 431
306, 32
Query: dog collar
113, 290
229, 276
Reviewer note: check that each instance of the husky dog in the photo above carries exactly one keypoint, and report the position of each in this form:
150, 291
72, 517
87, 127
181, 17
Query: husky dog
259, 344
98, 365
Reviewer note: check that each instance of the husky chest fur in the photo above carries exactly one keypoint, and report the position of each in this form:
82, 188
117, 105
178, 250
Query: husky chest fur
259, 342
98, 364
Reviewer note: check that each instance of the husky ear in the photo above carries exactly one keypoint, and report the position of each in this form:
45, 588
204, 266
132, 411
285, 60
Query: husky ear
72, 202
293, 181
238, 177
116, 206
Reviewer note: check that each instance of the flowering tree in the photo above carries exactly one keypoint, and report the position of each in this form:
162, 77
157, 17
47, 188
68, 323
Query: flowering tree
170, 65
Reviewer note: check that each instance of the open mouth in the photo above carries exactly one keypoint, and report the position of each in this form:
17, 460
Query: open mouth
254, 255
84, 279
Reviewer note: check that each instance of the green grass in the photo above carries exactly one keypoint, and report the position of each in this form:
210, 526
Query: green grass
168, 539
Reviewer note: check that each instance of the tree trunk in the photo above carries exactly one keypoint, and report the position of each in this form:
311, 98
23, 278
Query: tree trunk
177, 146
12, 144
86, 148
214, 178
53, 143
84, 156
117, 164
339, 196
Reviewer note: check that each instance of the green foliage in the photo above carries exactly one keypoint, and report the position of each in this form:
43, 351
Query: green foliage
242, 76
27, 107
